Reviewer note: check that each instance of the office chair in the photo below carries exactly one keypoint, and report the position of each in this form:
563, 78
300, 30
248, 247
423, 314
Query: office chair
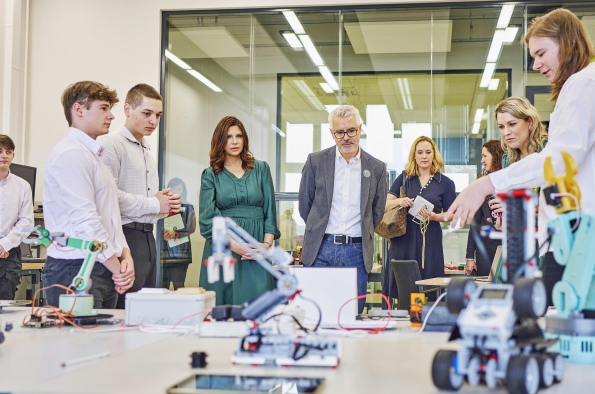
406, 274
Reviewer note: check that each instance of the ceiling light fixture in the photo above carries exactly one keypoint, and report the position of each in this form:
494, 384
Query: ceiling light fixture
277, 130
308, 94
405, 93
478, 115
311, 50
177, 60
328, 77
475, 129
326, 87
496, 46
488, 73
204, 80
294, 22
292, 40
505, 16
510, 34
493, 85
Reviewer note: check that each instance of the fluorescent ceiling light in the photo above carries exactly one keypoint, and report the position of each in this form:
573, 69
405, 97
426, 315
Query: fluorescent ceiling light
488, 73
405, 93
292, 39
475, 129
308, 94
478, 115
326, 87
496, 46
311, 49
177, 60
328, 77
505, 16
494, 84
331, 107
204, 80
510, 34
294, 22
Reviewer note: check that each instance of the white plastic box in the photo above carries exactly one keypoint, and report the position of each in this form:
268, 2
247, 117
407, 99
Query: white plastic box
167, 309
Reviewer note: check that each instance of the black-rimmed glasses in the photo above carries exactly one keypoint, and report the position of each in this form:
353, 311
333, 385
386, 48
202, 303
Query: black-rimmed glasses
341, 133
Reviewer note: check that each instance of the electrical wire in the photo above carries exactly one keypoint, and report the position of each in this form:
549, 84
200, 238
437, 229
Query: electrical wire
578, 209
317, 307
372, 331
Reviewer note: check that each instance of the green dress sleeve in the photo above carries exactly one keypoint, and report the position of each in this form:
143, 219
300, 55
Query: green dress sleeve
269, 206
207, 209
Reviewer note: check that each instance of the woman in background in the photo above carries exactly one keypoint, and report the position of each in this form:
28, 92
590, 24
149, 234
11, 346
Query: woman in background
491, 159
424, 178
175, 259
240, 187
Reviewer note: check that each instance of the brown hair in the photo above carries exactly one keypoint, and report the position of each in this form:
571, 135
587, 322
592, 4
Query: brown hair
84, 93
576, 48
6, 142
521, 108
135, 95
219, 141
437, 162
495, 149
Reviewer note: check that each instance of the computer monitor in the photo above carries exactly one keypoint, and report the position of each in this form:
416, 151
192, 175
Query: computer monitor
27, 173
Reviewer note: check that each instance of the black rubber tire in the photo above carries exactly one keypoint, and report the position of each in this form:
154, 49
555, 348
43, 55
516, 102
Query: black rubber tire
558, 361
442, 371
529, 297
546, 370
522, 375
457, 294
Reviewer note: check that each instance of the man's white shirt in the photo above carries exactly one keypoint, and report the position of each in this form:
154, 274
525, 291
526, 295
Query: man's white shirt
135, 171
80, 197
345, 217
16, 211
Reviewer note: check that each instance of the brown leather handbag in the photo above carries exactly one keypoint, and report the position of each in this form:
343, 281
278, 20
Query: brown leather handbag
394, 222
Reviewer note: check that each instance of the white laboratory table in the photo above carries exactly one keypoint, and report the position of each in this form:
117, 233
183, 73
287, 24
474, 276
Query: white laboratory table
392, 362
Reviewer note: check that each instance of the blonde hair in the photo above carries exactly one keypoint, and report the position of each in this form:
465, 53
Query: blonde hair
437, 162
521, 108
576, 48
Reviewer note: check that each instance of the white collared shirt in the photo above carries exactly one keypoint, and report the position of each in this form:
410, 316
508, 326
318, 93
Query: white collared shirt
345, 217
16, 211
572, 129
80, 197
134, 168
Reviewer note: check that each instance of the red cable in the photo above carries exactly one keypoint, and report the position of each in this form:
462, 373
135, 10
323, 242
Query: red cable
374, 330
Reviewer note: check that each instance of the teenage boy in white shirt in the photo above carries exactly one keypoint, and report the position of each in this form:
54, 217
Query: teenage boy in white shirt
80, 198
16, 213
127, 154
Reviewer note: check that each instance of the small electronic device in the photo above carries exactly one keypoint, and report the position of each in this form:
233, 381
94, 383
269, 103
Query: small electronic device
495, 215
418, 204
205, 383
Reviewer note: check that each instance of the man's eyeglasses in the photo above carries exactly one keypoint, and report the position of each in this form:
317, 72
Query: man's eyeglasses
341, 133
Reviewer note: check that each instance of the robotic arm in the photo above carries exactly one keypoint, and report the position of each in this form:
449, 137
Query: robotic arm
286, 283
82, 281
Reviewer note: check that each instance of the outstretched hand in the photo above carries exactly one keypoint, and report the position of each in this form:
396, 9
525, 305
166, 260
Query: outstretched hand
469, 201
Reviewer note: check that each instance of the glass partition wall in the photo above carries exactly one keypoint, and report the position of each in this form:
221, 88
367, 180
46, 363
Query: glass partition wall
436, 71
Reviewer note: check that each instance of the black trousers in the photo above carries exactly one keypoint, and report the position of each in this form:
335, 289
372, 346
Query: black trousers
144, 253
10, 274
63, 271
552, 274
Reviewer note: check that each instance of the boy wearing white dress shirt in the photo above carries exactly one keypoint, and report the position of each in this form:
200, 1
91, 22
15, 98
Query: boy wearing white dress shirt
80, 198
16, 213
127, 154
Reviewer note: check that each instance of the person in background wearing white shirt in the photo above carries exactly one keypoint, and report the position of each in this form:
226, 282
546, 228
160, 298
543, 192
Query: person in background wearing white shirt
127, 155
80, 199
563, 53
16, 213
341, 199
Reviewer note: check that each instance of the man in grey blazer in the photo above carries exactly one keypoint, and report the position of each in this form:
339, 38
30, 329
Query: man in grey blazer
342, 198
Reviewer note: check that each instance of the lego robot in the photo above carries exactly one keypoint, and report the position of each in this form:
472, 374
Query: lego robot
260, 347
496, 325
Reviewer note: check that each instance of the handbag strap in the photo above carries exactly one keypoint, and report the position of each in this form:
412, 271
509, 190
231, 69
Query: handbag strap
405, 177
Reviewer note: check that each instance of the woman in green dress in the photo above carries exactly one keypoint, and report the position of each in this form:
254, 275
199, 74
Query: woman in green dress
240, 187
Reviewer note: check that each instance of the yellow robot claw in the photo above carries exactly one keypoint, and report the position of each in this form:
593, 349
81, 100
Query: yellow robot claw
565, 183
